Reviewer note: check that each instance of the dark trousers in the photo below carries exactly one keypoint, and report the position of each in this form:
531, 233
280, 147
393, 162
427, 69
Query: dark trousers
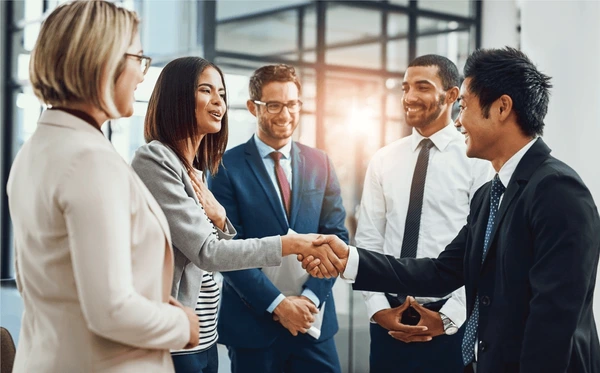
440, 355
206, 361
288, 354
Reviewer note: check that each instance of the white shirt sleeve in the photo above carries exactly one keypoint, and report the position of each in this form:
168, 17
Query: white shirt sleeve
351, 266
370, 232
455, 307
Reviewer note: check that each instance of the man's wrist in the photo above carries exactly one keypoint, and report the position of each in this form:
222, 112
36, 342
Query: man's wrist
450, 327
276, 302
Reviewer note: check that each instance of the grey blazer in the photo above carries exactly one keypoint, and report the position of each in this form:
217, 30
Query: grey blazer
195, 248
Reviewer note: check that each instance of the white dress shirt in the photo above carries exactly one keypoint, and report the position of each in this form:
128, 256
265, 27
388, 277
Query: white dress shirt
451, 180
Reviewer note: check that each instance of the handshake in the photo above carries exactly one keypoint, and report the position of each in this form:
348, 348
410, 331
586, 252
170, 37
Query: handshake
322, 256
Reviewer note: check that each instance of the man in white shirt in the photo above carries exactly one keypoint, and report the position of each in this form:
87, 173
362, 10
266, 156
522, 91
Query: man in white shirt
528, 254
392, 195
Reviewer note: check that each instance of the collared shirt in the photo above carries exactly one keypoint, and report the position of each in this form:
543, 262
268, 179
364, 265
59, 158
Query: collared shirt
285, 162
508, 169
451, 180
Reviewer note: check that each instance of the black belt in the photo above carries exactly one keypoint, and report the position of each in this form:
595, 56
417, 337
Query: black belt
411, 316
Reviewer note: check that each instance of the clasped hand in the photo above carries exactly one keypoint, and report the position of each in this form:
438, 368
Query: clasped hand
325, 257
430, 324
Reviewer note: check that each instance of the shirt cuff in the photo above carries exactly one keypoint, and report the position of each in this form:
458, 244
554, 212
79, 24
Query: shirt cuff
376, 303
455, 312
275, 303
351, 266
312, 296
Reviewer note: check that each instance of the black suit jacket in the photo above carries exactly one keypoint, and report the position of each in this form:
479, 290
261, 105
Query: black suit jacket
537, 281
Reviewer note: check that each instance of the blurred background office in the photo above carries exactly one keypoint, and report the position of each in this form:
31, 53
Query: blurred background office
351, 56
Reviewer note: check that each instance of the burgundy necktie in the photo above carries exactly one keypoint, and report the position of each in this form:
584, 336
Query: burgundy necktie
282, 181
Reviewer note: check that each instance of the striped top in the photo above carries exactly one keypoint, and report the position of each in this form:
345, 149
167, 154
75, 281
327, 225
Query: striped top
207, 309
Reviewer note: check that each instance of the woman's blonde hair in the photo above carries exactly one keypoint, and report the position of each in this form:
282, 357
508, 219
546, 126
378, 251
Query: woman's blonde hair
80, 53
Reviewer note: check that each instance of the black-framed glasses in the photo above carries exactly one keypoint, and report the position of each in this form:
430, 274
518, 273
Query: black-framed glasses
144, 61
275, 107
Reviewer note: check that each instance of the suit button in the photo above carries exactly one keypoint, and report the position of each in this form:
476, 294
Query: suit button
485, 300
482, 346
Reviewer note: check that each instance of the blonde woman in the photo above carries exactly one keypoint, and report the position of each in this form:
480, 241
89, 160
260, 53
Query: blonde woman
93, 256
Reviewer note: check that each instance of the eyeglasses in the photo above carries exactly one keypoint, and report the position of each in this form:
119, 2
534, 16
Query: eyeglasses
144, 61
275, 107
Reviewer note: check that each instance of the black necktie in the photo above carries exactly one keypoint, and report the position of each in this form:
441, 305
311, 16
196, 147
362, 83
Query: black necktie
417, 188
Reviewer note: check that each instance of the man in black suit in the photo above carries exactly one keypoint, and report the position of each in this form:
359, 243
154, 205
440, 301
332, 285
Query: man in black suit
528, 254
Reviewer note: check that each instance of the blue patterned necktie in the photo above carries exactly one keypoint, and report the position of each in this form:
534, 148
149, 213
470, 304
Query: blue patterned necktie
470, 337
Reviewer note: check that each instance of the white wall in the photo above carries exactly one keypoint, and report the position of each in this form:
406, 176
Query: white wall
563, 39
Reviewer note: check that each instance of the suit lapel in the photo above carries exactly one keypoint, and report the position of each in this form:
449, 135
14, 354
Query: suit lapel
257, 166
509, 195
479, 223
298, 169
538, 152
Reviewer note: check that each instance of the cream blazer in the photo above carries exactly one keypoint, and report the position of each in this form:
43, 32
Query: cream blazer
93, 258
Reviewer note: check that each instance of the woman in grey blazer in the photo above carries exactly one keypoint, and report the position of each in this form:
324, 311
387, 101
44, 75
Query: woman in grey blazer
186, 134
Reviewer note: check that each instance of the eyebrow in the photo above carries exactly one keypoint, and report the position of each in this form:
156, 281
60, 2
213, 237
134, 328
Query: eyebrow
418, 82
210, 86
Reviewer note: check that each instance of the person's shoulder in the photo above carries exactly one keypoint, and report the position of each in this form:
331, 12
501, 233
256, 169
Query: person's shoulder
313, 156
236, 151
556, 170
155, 150
309, 150
392, 149
154, 153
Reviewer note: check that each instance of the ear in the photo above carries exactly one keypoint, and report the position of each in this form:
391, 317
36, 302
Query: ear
504, 108
251, 107
452, 95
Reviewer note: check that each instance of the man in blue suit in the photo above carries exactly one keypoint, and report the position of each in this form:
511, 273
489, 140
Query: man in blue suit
269, 186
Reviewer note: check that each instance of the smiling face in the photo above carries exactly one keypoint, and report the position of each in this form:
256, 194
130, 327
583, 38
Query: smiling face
425, 102
129, 79
210, 101
480, 135
276, 129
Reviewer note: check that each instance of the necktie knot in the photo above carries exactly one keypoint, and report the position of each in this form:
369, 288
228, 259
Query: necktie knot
276, 156
426, 143
497, 187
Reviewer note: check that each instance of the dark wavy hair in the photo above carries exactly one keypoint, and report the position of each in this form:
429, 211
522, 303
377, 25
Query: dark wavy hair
171, 113
508, 71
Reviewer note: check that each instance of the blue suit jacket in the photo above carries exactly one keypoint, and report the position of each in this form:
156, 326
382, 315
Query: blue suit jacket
244, 188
